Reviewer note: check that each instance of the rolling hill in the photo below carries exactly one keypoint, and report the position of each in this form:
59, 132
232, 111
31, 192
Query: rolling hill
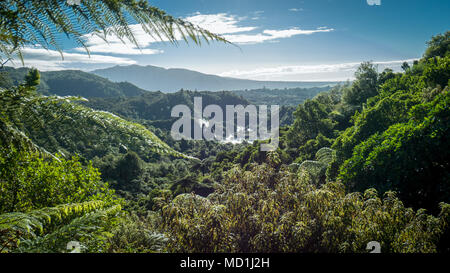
73, 83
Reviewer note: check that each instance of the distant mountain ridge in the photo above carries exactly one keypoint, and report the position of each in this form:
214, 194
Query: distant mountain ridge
155, 78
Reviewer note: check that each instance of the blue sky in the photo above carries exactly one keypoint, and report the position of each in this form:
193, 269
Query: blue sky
278, 40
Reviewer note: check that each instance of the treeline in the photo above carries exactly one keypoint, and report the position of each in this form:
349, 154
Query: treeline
287, 96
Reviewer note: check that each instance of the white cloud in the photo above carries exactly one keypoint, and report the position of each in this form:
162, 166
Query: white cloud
47, 60
227, 25
341, 71
220, 23
294, 31
97, 44
271, 35
374, 2
120, 48
296, 9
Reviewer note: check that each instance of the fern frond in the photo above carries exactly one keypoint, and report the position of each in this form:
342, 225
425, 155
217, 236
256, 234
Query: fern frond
34, 22
17, 226
86, 228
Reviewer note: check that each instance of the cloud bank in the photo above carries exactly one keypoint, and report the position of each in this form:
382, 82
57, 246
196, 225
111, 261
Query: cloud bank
48, 60
331, 72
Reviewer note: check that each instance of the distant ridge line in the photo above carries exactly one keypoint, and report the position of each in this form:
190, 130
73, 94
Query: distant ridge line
154, 78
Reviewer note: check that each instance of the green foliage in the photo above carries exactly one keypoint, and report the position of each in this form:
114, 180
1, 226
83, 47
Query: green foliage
387, 132
90, 231
365, 86
316, 123
125, 171
34, 183
407, 157
20, 230
395, 142
372, 120
437, 71
87, 85
30, 182
291, 96
438, 46
311, 118
59, 125
36, 221
33, 77
129, 167
70, 83
264, 210
307, 151
316, 169
190, 184
14, 102
134, 234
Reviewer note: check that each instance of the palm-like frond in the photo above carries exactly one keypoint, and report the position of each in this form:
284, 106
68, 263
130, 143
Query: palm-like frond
87, 227
30, 22
316, 169
25, 116
19, 225
325, 155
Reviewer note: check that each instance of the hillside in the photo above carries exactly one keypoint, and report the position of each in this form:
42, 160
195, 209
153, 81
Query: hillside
171, 80
156, 106
73, 83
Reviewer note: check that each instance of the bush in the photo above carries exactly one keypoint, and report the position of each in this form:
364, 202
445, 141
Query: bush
29, 181
264, 210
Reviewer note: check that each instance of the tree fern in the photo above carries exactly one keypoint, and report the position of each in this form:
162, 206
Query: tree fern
15, 226
325, 155
74, 122
31, 22
90, 230
25, 113
316, 169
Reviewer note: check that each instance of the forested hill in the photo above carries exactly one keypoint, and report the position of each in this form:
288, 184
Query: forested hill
73, 83
171, 80
156, 106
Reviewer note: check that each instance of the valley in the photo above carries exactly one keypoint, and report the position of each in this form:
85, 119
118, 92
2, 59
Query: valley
94, 157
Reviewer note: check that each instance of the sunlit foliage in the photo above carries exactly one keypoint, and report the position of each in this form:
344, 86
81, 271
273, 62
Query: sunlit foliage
264, 210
